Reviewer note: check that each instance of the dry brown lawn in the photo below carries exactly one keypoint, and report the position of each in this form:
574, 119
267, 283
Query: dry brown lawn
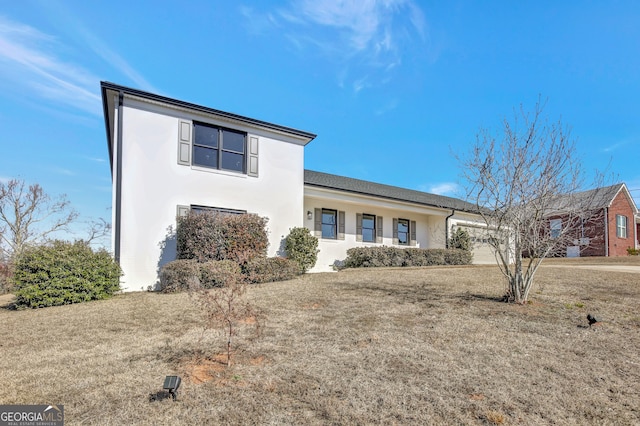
387, 346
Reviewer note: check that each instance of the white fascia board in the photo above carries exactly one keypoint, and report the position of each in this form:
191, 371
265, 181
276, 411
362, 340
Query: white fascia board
369, 200
223, 121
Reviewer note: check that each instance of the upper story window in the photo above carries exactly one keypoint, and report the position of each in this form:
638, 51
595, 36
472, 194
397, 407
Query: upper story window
218, 148
621, 226
329, 223
556, 227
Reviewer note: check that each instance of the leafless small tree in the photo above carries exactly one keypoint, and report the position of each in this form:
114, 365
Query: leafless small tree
226, 307
521, 181
29, 215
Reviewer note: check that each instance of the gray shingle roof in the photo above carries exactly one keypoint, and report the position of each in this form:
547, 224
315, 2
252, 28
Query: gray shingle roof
592, 199
357, 186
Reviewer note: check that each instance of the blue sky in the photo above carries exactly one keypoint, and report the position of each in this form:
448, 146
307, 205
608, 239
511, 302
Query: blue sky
392, 88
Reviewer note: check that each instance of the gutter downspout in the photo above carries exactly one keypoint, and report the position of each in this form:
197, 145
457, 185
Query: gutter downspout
446, 228
606, 231
118, 202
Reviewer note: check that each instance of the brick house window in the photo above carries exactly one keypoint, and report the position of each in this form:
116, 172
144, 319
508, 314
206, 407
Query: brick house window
556, 227
621, 226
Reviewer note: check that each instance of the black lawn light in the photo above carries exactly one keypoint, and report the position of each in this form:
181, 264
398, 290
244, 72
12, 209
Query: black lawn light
171, 384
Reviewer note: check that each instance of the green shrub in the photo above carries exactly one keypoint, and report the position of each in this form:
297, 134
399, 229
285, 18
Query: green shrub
267, 269
302, 248
371, 257
460, 240
633, 251
458, 257
218, 273
218, 236
60, 273
180, 275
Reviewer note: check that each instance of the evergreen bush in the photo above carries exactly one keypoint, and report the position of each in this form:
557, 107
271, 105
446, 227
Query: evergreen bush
180, 275
218, 273
302, 248
208, 236
371, 257
268, 269
61, 272
460, 240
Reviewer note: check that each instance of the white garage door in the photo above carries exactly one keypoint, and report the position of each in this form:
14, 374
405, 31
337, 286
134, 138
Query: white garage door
482, 251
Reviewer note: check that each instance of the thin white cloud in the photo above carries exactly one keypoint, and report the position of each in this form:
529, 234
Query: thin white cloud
389, 106
368, 34
112, 58
444, 188
62, 171
5, 179
613, 147
96, 159
29, 66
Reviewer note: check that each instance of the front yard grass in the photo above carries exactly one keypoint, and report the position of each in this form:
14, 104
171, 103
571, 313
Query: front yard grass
378, 346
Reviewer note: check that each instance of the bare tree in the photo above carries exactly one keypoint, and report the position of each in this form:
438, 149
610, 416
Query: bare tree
521, 182
29, 215
96, 230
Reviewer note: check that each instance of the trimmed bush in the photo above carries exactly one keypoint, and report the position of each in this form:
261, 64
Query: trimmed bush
268, 269
371, 257
180, 275
302, 248
633, 251
61, 273
217, 273
218, 236
458, 257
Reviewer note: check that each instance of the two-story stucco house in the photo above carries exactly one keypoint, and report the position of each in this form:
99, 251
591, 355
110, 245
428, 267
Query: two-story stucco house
168, 156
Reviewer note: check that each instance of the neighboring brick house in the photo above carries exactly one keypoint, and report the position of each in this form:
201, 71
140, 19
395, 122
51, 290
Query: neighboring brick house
609, 229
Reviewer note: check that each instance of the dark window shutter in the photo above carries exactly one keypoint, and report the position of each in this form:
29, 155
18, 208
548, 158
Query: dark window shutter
317, 222
184, 143
379, 235
395, 230
252, 160
412, 231
341, 225
358, 226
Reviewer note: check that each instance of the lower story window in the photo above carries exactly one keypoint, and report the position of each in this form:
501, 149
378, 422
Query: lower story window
403, 232
368, 228
206, 209
329, 224
556, 227
621, 226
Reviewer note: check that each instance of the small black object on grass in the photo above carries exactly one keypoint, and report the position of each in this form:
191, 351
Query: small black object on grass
172, 383
592, 319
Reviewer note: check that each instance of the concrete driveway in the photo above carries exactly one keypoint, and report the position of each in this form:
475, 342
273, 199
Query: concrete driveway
611, 268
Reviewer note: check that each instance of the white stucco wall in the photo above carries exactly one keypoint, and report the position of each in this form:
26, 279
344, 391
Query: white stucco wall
429, 224
154, 184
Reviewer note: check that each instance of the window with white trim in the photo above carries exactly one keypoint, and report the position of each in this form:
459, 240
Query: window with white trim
621, 226
555, 225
